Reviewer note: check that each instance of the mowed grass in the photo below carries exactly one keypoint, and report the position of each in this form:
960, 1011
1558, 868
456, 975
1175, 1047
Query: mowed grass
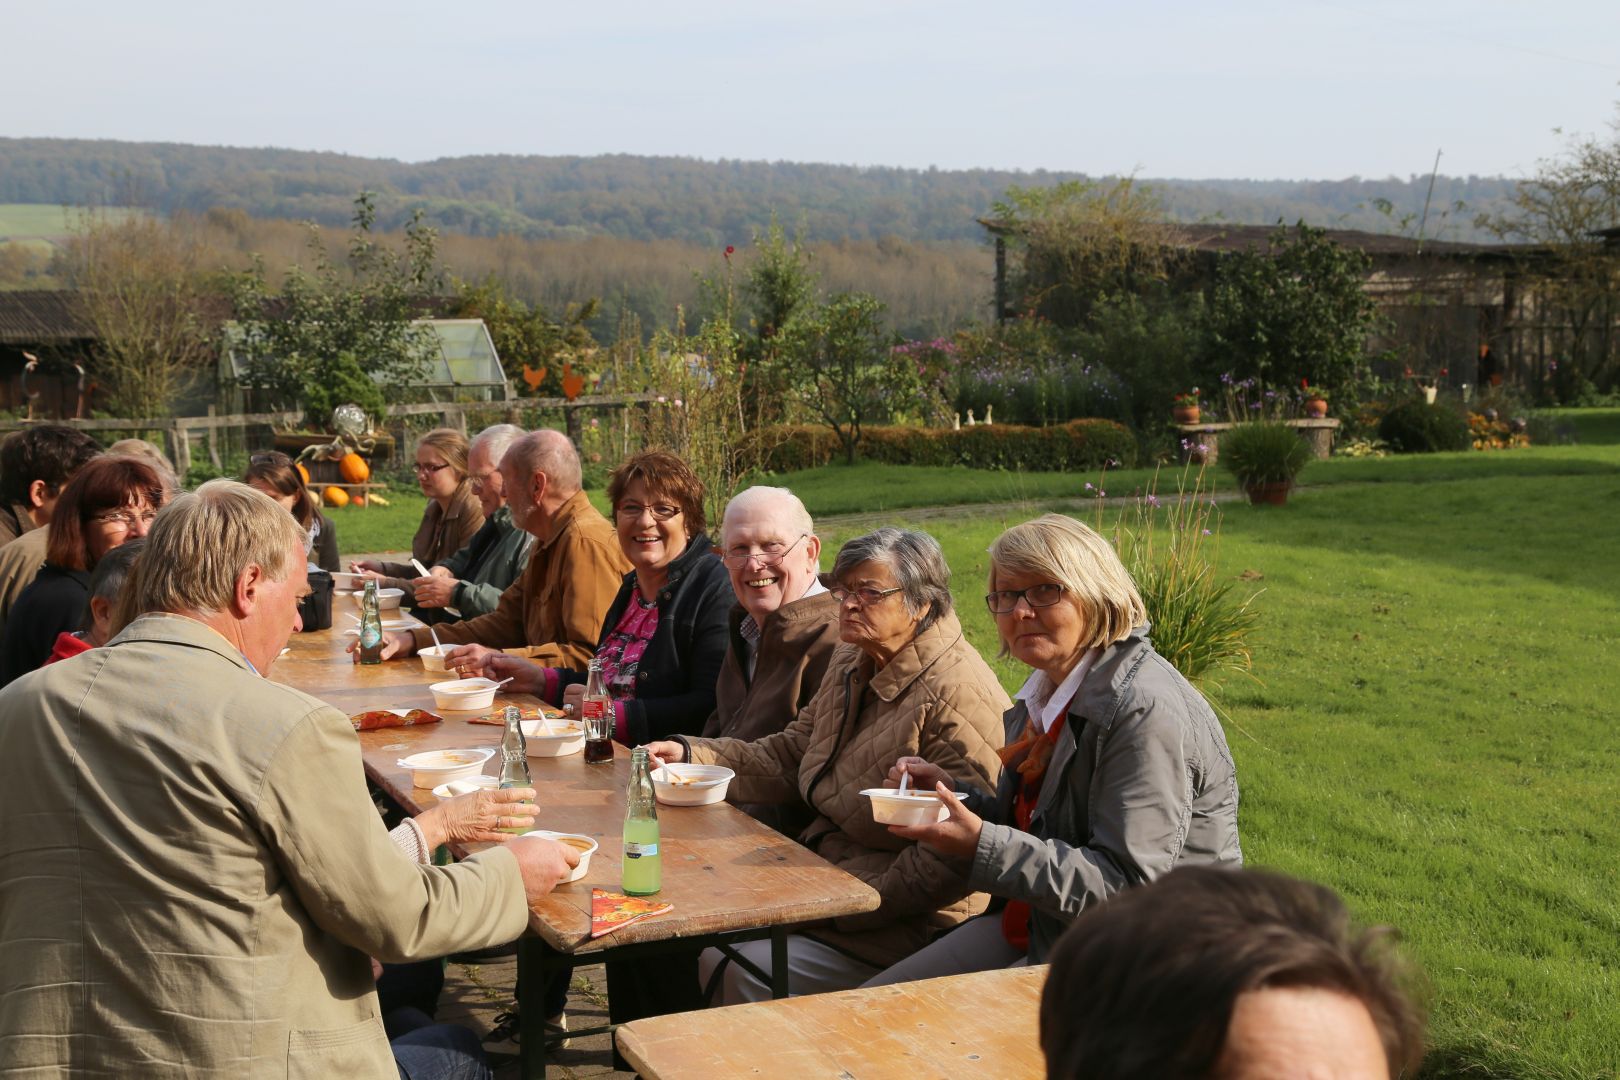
49, 221
1431, 730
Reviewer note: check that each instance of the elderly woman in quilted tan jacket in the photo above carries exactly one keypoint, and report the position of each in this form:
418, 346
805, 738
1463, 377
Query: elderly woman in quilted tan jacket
903, 682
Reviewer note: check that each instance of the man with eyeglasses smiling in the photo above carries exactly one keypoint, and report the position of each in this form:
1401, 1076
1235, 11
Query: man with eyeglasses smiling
783, 629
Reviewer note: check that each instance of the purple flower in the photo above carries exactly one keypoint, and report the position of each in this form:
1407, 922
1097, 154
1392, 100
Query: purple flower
1153, 500
1206, 532
1089, 487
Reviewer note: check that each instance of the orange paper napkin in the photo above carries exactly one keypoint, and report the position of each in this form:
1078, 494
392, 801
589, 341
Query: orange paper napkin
612, 911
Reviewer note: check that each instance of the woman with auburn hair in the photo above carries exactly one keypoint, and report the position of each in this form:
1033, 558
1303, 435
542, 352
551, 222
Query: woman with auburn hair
1115, 770
112, 499
453, 514
275, 474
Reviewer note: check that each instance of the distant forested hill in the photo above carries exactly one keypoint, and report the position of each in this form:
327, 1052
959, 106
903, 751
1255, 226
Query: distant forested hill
660, 198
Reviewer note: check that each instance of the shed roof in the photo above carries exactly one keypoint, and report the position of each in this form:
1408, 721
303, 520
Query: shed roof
42, 317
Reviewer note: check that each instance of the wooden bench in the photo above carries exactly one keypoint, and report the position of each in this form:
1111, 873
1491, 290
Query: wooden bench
986, 1024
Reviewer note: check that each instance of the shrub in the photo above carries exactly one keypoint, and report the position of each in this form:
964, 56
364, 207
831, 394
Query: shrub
1199, 623
1264, 453
1418, 427
1079, 444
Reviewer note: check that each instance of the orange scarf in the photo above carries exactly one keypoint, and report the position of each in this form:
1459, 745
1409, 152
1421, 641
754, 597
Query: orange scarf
1037, 748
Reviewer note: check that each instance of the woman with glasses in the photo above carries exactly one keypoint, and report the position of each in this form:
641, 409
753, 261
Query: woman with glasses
1115, 769
112, 499
904, 682
275, 474
452, 516
664, 638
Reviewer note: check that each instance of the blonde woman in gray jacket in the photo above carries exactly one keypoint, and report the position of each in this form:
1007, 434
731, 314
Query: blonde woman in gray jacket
1115, 769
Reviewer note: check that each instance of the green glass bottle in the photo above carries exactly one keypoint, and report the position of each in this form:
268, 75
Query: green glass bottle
371, 631
643, 866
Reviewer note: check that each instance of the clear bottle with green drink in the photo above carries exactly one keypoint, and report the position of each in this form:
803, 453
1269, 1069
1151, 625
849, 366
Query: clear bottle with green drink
643, 866
371, 631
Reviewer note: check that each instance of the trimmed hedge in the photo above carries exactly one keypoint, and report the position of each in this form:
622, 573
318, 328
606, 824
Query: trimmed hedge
1077, 445
1415, 426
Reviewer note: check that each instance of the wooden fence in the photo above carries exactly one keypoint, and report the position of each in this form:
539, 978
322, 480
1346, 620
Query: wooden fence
180, 431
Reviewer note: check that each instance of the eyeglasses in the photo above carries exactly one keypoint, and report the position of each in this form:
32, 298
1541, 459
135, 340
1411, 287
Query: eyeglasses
477, 482
633, 511
767, 555
429, 470
126, 519
863, 597
1002, 601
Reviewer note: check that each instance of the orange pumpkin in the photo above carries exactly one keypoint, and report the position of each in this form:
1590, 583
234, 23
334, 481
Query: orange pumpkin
303, 473
359, 500
335, 496
354, 468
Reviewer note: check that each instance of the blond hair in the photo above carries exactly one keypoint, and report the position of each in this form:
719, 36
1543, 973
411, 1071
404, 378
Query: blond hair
451, 445
1064, 551
202, 542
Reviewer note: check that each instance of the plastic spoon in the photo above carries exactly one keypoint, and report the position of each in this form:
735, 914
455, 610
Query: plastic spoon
905, 779
420, 569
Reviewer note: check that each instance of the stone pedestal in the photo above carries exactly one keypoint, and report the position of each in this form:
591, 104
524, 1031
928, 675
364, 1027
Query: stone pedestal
1319, 433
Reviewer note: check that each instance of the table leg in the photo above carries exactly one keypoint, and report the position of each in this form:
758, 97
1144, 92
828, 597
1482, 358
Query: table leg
532, 973
779, 962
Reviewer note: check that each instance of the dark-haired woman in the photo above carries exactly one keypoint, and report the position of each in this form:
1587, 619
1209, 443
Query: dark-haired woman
275, 474
111, 500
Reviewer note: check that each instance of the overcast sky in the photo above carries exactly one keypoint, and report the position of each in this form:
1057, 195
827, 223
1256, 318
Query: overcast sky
1167, 88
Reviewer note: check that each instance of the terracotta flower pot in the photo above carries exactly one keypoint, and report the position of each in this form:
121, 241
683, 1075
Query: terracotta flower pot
1315, 408
1268, 494
1186, 414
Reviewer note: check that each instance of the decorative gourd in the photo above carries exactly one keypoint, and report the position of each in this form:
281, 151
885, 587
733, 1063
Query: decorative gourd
359, 500
303, 473
354, 468
335, 496
378, 500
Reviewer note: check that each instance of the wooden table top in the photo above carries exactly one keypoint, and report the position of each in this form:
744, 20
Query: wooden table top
722, 869
986, 1024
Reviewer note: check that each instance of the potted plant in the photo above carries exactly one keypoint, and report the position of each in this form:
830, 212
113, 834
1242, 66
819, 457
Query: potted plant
1185, 407
1313, 399
1265, 457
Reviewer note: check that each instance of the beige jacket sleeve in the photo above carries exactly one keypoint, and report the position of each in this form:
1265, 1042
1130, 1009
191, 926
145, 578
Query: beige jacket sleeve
355, 883
586, 582
920, 879
767, 769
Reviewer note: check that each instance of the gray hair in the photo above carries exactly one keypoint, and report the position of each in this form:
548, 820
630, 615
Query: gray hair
917, 563
548, 452
203, 541
496, 440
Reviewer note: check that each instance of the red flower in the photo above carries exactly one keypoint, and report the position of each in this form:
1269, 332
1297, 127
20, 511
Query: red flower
1444, 373
1409, 371
730, 251
1304, 384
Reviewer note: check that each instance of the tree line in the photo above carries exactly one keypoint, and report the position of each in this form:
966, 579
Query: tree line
703, 203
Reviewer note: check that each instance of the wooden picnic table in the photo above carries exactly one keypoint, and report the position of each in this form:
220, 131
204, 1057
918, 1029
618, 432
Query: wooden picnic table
986, 1024
729, 877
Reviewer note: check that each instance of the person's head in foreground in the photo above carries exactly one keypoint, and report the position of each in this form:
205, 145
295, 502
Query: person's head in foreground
891, 585
106, 586
770, 548
1058, 589
1232, 974
231, 558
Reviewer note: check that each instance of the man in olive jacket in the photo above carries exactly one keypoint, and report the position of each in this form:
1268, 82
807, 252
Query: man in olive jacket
192, 875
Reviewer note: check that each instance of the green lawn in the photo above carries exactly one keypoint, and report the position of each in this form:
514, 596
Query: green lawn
48, 221
1432, 727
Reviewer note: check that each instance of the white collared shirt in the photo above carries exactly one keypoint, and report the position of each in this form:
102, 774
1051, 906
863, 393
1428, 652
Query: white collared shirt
1046, 702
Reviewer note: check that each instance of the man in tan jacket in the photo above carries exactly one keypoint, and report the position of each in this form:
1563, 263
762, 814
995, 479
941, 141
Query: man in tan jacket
553, 613
192, 875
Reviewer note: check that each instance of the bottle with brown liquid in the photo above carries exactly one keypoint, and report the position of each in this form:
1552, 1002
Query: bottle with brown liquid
596, 710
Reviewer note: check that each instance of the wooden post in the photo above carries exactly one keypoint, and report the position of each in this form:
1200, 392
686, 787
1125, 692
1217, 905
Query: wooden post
455, 417
571, 423
179, 440
213, 440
